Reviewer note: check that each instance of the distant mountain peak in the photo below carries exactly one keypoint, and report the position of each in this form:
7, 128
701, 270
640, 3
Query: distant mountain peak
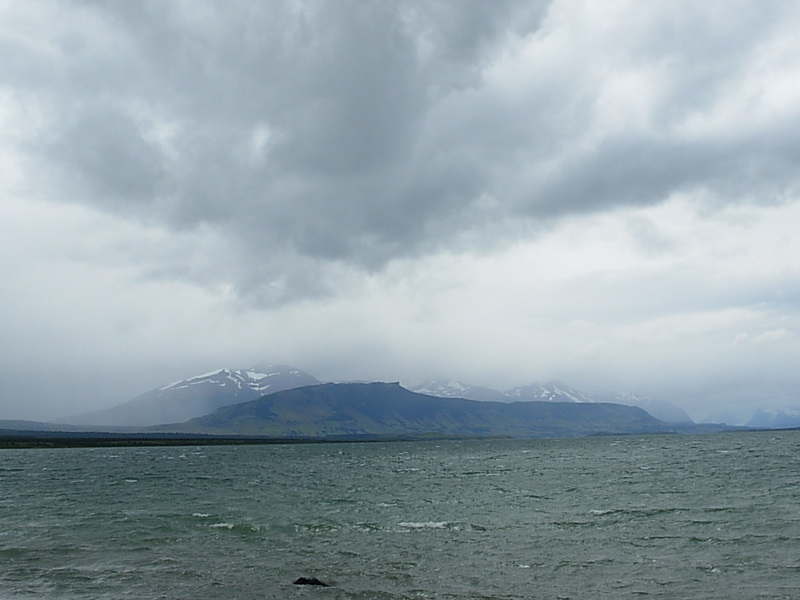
194, 379
199, 395
552, 391
454, 388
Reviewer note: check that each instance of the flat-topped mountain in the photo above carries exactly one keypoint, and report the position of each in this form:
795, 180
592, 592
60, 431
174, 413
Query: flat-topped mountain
387, 409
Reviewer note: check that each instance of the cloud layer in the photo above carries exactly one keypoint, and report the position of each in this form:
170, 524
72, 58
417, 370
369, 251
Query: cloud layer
503, 190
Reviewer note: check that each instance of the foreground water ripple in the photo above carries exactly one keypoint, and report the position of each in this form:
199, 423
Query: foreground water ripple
660, 517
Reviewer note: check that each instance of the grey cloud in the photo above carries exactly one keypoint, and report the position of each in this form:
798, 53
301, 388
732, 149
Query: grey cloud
631, 170
682, 289
314, 134
104, 151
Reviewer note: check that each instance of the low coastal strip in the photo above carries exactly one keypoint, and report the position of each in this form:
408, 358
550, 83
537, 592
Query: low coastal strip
61, 439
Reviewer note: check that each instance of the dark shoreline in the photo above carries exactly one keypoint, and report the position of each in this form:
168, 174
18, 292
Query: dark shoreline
21, 439
61, 439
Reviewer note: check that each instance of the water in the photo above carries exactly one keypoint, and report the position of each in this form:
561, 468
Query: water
715, 516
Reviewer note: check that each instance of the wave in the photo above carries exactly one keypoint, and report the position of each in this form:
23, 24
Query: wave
425, 525
448, 525
235, 527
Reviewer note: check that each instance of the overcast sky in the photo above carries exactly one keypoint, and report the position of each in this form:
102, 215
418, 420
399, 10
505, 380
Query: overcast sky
494, 191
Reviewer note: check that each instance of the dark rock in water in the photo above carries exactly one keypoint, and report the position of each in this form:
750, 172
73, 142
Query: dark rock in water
309, 581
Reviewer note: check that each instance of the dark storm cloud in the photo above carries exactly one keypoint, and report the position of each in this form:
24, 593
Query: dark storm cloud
316, 134
290, 127
104, 150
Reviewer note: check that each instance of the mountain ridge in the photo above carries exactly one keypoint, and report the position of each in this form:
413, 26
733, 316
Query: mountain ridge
380, 409
202, 394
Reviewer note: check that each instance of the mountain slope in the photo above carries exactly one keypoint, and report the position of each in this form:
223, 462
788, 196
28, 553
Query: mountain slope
197, 396
357, 409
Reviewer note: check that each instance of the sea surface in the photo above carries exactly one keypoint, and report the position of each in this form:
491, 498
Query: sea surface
680, 517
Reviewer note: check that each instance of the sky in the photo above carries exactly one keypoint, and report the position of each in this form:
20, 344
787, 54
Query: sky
501, 192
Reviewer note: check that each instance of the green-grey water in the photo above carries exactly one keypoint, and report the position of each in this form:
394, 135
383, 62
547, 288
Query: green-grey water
714, 516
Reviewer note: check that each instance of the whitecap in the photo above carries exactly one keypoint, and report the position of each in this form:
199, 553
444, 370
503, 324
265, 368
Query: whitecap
425, 525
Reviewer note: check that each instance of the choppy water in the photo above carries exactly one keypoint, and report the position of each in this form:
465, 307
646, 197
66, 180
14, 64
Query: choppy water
715, 516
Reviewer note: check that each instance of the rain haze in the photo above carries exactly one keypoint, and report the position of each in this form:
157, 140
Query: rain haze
607, 193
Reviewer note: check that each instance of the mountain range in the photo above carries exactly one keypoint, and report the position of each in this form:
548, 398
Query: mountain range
552, 391
201, 395
282, 401
347, 410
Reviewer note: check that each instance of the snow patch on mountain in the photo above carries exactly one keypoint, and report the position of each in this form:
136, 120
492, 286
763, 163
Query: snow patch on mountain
552, 391
199, 395
457, 389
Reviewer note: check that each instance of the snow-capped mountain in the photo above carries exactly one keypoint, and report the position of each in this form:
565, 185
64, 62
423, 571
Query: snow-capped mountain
457, 389
262, 379
198, 396
552, 391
